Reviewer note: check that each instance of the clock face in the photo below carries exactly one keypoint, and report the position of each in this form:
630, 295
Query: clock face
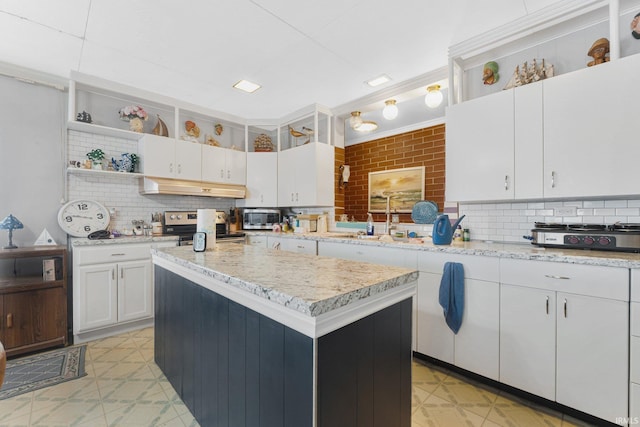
79, 218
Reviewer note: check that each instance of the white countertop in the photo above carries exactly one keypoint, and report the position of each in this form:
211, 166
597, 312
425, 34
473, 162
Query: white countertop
83, 241
482, 248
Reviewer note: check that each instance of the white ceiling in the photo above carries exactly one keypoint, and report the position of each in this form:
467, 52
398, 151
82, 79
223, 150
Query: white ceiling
301, 52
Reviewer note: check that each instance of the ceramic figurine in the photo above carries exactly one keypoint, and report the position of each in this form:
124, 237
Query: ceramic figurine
160, 128
635, 26
308, 132
218, 129
294, 133
490, 73
598, 51
84, 117
530, 73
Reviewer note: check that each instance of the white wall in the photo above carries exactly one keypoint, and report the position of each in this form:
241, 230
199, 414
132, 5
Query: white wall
32, 141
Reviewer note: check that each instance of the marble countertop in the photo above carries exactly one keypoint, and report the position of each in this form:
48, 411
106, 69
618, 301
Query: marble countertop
82, 241
524, 251
309, 284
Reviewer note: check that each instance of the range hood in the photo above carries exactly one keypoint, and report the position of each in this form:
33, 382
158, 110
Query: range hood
152, 185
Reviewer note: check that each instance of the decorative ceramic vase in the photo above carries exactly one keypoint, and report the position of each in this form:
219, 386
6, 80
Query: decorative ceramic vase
96, 164
125, 164
136, 125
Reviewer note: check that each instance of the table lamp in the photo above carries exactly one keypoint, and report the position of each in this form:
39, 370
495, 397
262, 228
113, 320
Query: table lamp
10, 223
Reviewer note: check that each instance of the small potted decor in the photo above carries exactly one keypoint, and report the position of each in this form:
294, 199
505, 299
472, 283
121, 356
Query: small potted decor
96, 156
134, 114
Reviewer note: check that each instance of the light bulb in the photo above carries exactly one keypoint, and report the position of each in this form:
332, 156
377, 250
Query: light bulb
390, 110
434, 96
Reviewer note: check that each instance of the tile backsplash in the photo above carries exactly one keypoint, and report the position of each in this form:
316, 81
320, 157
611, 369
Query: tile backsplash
120, 191
508, 222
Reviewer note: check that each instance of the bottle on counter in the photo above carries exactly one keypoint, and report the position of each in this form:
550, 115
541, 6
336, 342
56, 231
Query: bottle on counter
457, 234
466, 236
369, 224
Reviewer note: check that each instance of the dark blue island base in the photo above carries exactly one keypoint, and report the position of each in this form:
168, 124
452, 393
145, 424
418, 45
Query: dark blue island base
234, 367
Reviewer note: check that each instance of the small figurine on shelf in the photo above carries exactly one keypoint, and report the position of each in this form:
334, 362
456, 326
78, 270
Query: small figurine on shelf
598, 52
84, 117
296, 134
635, 26
210, 140
308, 132
193, 131
490, 73
160, 128
218, 128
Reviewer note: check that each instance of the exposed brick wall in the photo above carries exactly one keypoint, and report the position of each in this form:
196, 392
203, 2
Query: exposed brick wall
424, 147
339, 192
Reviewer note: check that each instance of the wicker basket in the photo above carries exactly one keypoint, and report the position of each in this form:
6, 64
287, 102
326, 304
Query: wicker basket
262, 143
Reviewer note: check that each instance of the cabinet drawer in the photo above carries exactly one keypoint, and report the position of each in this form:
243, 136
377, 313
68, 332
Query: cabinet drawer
111, 253
597, 281
475, 267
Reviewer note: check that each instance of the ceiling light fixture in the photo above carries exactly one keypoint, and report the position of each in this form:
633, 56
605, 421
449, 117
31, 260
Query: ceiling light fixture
247, 86
434, 97
378, 80
367, 126
390, 110
355, 120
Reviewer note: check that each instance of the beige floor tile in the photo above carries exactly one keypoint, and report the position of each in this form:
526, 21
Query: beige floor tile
512, 412
418, 396
131, 390
437, 412
64, 412
84, 388
142, 413
22, 420
476, 399
16, 409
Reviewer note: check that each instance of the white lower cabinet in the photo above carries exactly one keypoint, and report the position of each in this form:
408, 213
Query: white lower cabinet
260, 241
112, 286
476, 345
634, 340
300, 246
564, 334
397, 257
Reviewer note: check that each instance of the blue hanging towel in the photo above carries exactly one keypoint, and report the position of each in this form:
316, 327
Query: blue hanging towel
452, 294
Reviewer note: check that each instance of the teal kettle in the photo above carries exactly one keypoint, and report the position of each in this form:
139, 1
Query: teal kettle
443, 230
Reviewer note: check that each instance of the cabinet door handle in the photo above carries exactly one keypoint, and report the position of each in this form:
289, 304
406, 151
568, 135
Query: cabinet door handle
506, 182
565, 307
118, 254
113, 274
553, 179
553, 276
122, 273
300, 246
179, 167
547, 305
228, 174
9, 320
296, 197
171, 167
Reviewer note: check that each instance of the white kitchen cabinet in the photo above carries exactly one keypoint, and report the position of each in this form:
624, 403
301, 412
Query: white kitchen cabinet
260, 241
397, 257
170, 158
634, 341
305, 175
301, 246
476, 345
112, 288
262, 180
223, 165
590, 363
494, 146
528, 339
590, 121
479, 161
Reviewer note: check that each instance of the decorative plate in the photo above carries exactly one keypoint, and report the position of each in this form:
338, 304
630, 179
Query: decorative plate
424, 212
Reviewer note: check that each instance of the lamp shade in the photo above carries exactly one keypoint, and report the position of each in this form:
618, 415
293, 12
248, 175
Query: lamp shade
10, 223
390, 110
355, 120
434, 97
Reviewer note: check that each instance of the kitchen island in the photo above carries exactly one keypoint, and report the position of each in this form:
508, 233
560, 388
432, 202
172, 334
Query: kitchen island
250, 336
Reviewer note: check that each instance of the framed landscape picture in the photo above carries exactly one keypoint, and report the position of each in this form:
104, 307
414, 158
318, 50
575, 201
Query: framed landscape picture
405, 187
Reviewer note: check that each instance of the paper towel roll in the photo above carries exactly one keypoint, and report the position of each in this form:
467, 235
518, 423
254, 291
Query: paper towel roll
206, 223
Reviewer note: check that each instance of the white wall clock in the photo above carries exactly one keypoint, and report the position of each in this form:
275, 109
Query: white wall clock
79, 218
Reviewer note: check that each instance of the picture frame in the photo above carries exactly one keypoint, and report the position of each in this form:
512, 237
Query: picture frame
405, 187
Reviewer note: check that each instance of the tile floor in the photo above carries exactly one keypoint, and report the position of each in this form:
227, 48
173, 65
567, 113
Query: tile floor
124, 387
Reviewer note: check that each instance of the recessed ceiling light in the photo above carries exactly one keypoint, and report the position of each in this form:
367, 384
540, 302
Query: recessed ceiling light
378, 80
367, 126
247, 86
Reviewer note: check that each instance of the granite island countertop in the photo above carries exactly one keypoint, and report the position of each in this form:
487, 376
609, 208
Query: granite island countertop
83, 241
308, 284
524, 251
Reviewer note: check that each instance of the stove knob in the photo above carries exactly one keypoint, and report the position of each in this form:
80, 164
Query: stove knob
574, 240
604, 241
179, 216
588, 240
172, 216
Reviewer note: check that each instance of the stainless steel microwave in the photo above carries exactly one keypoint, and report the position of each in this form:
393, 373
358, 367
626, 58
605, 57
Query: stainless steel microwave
260, 219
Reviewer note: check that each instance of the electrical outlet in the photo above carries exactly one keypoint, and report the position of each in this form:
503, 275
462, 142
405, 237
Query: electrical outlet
565, 211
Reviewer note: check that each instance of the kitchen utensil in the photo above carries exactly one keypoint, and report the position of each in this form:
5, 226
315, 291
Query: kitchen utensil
443, 230
424, 212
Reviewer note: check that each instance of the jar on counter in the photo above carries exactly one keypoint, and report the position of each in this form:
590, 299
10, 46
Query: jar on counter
466, 236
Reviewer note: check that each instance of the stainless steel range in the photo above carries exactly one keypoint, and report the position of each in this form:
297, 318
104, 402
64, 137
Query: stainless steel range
622, 237
184, 224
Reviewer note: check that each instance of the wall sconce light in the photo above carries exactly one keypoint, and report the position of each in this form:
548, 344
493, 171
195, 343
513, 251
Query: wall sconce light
434, 96
390, 110
345, 173
10, 223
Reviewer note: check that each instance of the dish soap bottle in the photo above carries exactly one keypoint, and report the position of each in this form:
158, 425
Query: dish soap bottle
369, 224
